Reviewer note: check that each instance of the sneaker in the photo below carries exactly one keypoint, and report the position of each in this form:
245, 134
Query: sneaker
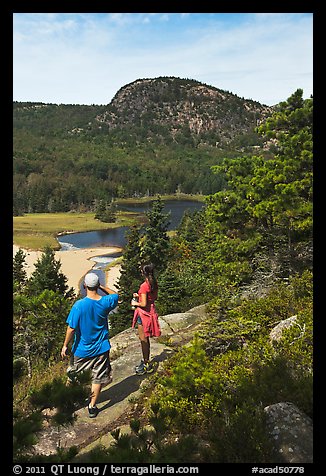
149, 368
143, 368
93, 411
140, 369
139, 366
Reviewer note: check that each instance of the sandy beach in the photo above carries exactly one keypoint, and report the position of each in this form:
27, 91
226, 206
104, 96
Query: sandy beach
74, 264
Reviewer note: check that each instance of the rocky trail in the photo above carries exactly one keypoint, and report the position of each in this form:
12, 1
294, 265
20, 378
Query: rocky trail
290, 430
116, 402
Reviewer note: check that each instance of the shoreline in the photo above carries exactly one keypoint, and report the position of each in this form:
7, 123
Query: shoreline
75, 264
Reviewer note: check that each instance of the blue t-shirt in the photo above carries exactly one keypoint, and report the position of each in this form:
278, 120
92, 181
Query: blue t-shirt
89, 318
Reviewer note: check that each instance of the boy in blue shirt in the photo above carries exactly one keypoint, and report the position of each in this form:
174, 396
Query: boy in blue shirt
88, 325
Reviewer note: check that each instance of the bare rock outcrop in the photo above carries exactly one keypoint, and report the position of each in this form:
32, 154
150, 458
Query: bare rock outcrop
291, 432
277, 331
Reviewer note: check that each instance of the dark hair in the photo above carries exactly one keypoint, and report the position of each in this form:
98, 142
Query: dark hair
148, 272
93, 288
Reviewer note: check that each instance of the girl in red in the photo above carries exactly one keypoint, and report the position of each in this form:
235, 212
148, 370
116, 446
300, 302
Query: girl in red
145, 316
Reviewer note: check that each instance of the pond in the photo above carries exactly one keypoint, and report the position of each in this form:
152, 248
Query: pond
176, 208
97, 239
116, 236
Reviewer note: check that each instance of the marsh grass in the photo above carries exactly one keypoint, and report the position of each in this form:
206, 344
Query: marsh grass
34, 231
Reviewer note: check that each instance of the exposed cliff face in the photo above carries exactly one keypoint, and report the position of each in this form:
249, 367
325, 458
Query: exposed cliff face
173, 106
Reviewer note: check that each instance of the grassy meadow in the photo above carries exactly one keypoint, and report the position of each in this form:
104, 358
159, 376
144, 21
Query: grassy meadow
34, 231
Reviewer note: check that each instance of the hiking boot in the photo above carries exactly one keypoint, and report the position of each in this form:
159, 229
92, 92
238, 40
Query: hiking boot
93, 411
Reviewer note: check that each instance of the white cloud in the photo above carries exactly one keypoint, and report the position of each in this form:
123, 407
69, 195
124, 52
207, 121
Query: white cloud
86, 58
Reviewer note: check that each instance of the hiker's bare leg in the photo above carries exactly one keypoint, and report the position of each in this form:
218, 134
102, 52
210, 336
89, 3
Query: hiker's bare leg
95, 392
145, 344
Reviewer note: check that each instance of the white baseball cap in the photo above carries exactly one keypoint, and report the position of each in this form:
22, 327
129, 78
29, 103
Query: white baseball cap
91, 280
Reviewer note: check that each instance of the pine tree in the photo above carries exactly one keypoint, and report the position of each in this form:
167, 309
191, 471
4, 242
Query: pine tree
261, 222
172, 293
129, 280
106, 212
99, 209
47, 275
156, 243
19, 273
38, 321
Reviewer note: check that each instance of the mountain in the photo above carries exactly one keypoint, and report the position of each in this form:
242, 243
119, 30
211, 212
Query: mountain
175, 109
159, 110
155, 137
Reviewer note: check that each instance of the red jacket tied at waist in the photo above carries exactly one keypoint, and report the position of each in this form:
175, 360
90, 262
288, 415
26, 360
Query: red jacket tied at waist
149, 321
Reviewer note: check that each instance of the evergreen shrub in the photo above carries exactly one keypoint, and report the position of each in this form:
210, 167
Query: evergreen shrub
217, 387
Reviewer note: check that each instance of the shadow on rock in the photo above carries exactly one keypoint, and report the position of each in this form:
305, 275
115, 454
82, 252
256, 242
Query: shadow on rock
118, 392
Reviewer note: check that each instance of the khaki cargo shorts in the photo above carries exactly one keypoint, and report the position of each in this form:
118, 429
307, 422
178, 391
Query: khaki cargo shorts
99, 365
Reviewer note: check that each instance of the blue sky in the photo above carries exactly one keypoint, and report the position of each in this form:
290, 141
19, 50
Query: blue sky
85, 58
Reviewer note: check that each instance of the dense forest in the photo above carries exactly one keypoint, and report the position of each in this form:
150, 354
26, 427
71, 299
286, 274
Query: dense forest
156, 136
248, 256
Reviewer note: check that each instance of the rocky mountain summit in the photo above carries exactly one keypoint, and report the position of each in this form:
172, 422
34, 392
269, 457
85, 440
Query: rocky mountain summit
173, 107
